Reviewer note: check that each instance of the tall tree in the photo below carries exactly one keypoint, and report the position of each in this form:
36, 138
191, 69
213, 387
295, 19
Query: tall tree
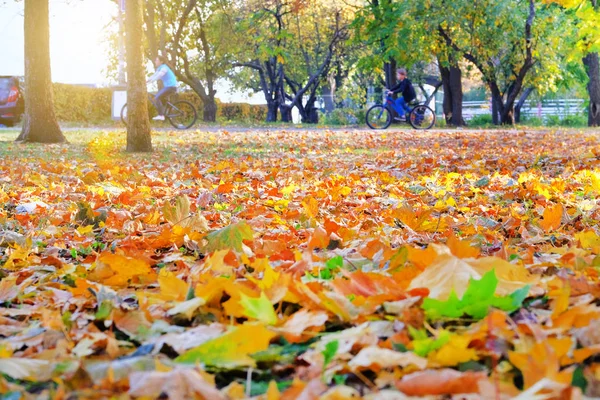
290, 46
405, 33
262, 50
40, 123
138, 124
319, 31
587, 47
197, 37
509, 41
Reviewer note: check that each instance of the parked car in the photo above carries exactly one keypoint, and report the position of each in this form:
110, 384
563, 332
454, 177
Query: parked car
12, 103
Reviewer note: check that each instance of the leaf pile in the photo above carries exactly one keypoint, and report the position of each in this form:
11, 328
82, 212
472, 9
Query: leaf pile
284, 265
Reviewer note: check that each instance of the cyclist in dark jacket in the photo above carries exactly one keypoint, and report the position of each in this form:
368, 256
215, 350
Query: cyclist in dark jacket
407, 90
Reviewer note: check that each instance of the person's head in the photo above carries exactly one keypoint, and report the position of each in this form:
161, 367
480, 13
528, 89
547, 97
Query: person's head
160, 60
401, 72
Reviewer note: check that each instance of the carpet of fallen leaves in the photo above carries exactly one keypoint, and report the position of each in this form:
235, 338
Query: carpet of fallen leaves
302, 265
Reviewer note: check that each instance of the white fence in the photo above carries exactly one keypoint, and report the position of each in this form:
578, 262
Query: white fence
542, 109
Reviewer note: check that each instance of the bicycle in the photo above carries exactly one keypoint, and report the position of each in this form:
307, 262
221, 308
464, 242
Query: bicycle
380, 116
181, 114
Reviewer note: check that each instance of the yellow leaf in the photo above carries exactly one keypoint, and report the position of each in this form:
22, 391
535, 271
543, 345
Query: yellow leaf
82, 230
562, 301
311, 206
454, 352
273, 391
18, 256
5, 350
119, 270
286, 191
232, 349
588, 239
171, 287
258, 308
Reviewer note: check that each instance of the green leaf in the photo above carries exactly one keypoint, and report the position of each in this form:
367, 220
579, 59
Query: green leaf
330, 351
476, 301
423, 346
230, 237
259, 388
484, 181
331, 266
104, 310
66, 319
579, 379
259, 308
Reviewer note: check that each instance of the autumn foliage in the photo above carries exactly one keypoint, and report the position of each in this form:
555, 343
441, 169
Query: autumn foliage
284, 265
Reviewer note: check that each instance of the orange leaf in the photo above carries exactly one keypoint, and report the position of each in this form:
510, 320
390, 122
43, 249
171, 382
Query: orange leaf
440, 382
462, 248
552, 217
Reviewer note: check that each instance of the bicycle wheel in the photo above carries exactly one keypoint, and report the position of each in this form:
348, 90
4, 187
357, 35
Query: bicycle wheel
124, 114
421, 117
181, 114
378, 117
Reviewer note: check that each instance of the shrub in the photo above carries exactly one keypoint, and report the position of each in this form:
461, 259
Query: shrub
578, 120
440, 122
552, 120
343, 116
242, 112
482, 120
82, 104
532, 121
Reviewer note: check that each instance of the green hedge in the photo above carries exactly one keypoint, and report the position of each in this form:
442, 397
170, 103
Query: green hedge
81, 104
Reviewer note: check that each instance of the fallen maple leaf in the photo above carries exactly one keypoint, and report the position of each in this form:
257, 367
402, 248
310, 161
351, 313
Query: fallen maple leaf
302, 320
552, 217
23, 368
259, 308
230, 237
179, 383
232, 349
374, 356
171, 287
440, 382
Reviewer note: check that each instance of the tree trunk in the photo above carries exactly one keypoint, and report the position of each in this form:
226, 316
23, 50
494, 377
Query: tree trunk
521, 102
272, 112
390, 73
40, 123
138, 124
210, 109
593, 71
309, 113
496, 104
455, 85
447, 102
328, 98
507, 116
453, 95
286, 112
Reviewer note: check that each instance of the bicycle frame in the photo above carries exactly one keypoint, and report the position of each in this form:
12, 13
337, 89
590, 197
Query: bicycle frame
167, 101
391, 103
